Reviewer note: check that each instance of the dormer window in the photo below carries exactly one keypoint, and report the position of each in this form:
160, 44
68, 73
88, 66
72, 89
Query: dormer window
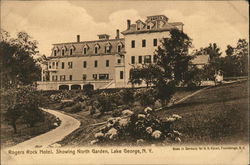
70, 51
140, 25
108, 48
96, 48
63, 51
54, 52
148, 26
119, 47
85, 49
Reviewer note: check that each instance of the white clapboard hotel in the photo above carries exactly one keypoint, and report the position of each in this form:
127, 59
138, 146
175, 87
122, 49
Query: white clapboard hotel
106, 62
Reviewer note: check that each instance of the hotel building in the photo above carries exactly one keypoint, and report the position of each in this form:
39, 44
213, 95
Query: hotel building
105, 63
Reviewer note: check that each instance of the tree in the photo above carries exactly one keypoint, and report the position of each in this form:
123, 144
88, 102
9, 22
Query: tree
18, 67
172, 62
235, 63
215, 61
22, 104
241, 52
135, 76
13, 114
193, 77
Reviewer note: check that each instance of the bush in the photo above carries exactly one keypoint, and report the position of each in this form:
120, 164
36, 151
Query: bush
138, 128
66, 104
146, 97
116, 113
76, 108
105, 103
88, 89
127, 95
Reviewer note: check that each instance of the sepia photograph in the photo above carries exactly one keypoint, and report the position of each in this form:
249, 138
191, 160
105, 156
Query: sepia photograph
124, 82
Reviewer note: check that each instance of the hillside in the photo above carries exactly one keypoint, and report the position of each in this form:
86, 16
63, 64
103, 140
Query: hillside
218, 115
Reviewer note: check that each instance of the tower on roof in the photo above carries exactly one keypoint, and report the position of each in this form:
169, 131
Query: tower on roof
157, 18
103, 36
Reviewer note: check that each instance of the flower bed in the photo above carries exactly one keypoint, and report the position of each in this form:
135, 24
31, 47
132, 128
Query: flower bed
138, 128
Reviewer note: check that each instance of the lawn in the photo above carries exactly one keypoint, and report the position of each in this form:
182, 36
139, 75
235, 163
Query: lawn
24, 132
218, 115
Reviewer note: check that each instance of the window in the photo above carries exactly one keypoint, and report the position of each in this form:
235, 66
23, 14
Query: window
155, 59
133, 44
96, 63
155, 42
119, 48
84, 64
56, 65
53, 65
63, 52
54, 78
132, 59
95, 76
107, 63
119, 61
140, 59
62, 78
49, 65
84, 77
138, 28
147, 59
70, 77
108, 49
71, 51
121, 74
84, 50
96, 50
54, 52
62, 65
148, 26
143, 43
70, 65
103, 76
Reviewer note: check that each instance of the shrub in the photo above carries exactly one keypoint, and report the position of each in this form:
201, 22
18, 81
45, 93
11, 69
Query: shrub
105, 103
138, 128
76, 108
116, 113
66, 104
88, 89
127, 95
146, 97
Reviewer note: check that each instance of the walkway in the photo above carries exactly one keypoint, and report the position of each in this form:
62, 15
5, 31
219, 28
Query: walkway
68, 125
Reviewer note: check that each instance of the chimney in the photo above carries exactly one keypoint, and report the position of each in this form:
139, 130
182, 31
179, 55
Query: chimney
117, 34
128, 24
78, 38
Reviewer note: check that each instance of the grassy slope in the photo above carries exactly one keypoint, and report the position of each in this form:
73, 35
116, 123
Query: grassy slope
8, 138
218, 115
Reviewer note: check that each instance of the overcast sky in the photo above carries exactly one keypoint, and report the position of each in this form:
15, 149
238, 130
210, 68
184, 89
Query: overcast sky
48, 22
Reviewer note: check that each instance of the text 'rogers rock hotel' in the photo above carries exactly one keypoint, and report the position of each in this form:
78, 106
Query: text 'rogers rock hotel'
105, 63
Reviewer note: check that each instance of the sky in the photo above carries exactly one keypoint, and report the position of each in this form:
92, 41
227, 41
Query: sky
48, 22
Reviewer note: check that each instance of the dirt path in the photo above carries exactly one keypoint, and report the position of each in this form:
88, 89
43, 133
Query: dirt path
68, 125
